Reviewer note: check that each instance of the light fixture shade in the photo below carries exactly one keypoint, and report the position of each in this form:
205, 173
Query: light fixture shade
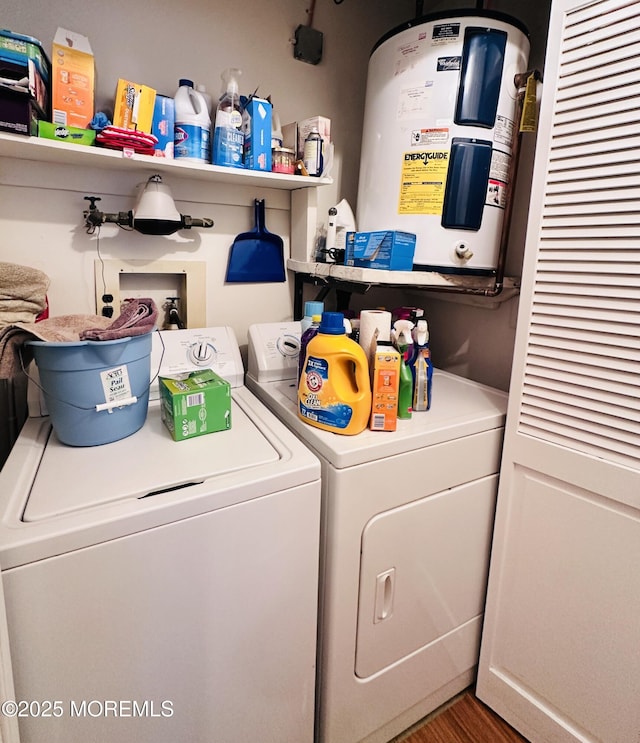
155, 212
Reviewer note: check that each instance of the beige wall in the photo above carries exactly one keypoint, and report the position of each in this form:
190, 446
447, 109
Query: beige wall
156, 44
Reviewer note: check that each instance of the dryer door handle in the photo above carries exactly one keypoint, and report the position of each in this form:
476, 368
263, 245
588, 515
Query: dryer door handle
385, 590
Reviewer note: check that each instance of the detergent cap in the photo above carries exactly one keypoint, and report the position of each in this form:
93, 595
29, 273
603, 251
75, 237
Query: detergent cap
186, 82
313, 308
332, 323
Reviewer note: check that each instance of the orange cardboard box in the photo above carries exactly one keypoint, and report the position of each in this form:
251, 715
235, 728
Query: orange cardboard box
385, 388
73, 79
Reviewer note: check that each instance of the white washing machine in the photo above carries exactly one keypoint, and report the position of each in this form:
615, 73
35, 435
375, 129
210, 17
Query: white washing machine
407, 519
160, 591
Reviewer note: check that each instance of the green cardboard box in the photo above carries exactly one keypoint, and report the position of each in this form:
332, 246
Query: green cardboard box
66, 133
195, 403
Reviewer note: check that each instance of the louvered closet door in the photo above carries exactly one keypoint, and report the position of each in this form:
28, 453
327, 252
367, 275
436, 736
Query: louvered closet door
560, 655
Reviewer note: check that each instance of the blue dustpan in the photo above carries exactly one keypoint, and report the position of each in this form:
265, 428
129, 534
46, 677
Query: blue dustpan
256, 256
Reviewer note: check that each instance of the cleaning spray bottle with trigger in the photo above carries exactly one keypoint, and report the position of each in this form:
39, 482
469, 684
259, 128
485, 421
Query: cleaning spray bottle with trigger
403, 342
421, 367
228, 139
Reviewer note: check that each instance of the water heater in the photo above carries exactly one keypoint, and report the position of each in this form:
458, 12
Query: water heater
439, 125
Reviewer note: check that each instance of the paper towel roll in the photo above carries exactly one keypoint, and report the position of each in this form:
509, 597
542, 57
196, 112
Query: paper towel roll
375, 325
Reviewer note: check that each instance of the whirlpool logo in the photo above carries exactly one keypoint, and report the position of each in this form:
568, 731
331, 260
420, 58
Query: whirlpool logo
448, 63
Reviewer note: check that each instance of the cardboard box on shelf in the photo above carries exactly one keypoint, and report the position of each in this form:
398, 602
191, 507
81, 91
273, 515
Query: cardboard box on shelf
164, 116
390, 250
290, 137
256, 126
134, 106
195, 403
73, 79
19, 113
385, 387
294, 134
25, 68
69, 134
322, 124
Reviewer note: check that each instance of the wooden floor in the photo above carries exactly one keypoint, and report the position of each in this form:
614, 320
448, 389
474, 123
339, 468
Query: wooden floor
465, 720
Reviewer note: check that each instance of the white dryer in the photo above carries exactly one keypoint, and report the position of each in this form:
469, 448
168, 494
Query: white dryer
407, 519
163, 591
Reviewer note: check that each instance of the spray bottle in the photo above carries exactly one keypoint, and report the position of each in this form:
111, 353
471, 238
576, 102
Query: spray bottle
404, 342
421, 367
228, 139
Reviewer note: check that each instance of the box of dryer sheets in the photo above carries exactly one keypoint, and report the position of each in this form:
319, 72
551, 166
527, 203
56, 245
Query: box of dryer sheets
390, 250
256, 127
164, 117
66, 133
73, 79
385, 387
133, 108
195, 403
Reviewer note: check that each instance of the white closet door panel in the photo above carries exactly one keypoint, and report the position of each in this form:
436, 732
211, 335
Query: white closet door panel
559, 656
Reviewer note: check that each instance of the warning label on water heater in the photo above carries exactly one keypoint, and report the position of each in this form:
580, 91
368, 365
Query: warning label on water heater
424, 175
445, 33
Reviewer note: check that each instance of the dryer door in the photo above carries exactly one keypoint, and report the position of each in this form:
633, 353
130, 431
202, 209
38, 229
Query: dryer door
423, 578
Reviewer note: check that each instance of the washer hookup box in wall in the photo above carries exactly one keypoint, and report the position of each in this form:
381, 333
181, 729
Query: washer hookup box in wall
195, 403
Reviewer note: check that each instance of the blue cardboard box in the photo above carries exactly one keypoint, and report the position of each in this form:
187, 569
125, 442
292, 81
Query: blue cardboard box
256, 125
390, 250
164, 116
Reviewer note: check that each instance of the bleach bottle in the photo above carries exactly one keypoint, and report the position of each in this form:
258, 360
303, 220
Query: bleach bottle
228, 138
192, 129
334, 392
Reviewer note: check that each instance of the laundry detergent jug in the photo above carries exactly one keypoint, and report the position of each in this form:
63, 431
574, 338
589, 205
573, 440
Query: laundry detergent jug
334, 392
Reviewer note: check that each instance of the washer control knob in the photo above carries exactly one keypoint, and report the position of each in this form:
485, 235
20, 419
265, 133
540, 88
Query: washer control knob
288, 345
201, 353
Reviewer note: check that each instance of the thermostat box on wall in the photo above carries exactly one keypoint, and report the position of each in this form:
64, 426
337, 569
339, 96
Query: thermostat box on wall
390, 250
195, 403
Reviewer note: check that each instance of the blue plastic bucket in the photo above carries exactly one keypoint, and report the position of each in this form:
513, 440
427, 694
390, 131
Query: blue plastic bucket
96, 392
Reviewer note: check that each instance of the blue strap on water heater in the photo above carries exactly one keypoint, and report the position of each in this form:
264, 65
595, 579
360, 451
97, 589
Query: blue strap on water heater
480, 77
467, 179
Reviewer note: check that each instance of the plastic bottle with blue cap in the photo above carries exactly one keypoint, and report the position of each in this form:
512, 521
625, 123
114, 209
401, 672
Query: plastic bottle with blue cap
311, 308
334, 392
192, 129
